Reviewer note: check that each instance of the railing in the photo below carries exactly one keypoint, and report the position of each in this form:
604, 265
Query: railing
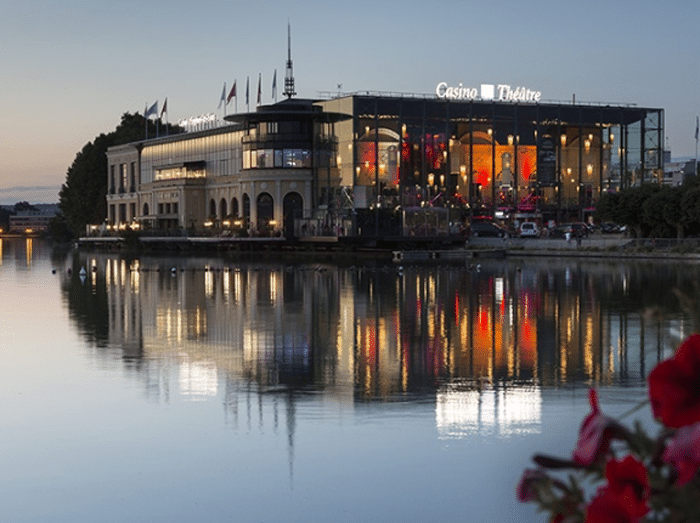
331, 95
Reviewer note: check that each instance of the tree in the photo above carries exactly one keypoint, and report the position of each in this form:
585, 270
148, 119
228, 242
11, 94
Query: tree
662, 214
24, 206
82, 197
690, 210
625, 207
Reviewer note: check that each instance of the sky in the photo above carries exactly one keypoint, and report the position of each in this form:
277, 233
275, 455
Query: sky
69, 69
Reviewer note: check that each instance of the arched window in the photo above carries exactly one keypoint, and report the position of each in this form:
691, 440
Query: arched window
145, 209
292, 208
222, 209
246, 208
212, 207
265, 211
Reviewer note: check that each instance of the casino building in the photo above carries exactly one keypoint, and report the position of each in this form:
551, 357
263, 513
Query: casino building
374, 164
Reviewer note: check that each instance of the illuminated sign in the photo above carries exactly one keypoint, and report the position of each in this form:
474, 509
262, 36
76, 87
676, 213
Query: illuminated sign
199, 123
498, 93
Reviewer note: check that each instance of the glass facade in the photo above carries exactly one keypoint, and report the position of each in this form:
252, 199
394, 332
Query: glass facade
498, 160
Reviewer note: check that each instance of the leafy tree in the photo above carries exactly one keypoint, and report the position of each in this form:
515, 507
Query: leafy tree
82, 197
58, 230
662, 214
607, 207
690, 210
24, 206
625, 207
4, 218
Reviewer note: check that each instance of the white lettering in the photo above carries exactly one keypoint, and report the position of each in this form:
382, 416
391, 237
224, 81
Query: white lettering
499, 93
440, 89
455, 93
199, 123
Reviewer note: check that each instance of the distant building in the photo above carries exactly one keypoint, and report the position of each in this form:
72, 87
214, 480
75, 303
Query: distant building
675, 173
34, 220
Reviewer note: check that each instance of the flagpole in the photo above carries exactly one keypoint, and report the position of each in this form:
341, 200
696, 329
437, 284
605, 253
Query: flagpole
697, 130
164, 111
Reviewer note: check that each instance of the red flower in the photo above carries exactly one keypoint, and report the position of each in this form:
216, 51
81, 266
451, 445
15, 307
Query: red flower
608, 507
673, 386
624, 498
597, 430
683, 453
628, 479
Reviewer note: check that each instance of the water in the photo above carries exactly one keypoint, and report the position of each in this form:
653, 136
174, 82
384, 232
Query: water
189, 389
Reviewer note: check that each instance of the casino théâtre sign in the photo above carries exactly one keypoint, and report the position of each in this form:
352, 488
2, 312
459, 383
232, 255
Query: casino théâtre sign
491, 92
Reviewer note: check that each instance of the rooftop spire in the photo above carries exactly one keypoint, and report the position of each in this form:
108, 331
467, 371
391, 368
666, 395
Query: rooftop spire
289, 75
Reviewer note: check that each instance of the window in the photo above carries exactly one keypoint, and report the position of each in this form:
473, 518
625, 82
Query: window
246, 159
265, 158
278, 158
268, 158
132, 186
272, 128
123, 179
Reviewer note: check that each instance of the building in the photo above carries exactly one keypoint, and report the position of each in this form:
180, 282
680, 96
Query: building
675, 173
374, 164
34, 220
253, 175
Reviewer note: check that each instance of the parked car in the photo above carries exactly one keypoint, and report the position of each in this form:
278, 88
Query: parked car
487, 229
609, 228
576, 230
529, 230
579, 230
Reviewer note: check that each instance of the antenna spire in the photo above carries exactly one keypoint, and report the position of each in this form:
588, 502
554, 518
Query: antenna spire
289, 75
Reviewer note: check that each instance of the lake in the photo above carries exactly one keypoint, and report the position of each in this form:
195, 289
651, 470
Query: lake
205, 388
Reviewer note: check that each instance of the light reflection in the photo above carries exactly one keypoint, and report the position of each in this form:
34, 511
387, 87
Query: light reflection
487, 411
374, 333
198, 379
29, 246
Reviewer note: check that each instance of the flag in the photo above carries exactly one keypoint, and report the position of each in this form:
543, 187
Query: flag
223, 96
151, 110
165, 107
259, 88
247, 90
697, 127
274, 85
231, 93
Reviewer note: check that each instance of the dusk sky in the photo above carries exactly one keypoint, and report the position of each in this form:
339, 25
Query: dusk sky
70, 69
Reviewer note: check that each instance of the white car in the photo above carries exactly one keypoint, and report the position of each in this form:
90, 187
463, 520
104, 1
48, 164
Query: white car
529, 230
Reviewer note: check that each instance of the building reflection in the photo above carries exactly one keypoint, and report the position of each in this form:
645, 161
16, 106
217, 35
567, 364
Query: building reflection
502, 411
482, 344
21, 248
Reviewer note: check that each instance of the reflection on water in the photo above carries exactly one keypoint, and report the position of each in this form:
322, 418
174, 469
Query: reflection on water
194, 388
481, 343
492, 411
22, 249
